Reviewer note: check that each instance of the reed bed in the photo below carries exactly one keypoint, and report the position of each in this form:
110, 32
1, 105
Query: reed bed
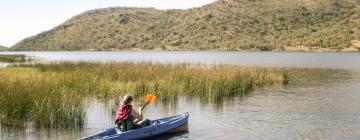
44, 99
51, 95
13, 58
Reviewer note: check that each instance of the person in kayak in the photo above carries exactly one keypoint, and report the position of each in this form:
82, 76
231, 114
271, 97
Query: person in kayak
127, 118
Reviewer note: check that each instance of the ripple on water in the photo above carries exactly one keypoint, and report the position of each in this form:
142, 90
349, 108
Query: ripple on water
322, 105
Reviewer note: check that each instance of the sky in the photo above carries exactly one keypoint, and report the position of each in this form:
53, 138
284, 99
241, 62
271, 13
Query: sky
24, 18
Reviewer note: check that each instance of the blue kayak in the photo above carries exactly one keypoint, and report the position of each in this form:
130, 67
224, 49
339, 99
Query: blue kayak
157, 127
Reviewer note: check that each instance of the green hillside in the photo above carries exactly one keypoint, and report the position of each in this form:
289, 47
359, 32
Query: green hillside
222, 25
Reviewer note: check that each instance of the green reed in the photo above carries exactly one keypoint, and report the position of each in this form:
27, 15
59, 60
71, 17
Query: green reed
13, 58
45, 99
52, 95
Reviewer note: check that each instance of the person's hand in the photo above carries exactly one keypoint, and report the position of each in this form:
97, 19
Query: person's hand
141, 109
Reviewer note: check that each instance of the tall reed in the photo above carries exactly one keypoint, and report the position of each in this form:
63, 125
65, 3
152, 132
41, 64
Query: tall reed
51, 95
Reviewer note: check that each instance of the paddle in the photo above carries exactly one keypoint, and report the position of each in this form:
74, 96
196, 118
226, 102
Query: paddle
150, 98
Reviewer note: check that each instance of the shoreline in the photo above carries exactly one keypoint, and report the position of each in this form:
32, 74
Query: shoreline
198, 50
354, 47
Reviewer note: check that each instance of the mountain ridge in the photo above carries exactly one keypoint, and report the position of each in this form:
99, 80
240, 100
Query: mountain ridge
3, 48
221, 25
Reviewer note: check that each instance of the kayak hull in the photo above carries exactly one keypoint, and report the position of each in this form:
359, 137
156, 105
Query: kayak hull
158, 127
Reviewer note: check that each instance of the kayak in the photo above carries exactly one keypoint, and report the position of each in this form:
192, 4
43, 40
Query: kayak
157, 127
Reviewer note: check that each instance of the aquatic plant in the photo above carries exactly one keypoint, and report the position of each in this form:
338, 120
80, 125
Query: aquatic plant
52, 95
13, 58
27, 95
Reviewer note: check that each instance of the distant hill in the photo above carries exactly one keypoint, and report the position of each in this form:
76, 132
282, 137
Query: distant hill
222, 25
3, 48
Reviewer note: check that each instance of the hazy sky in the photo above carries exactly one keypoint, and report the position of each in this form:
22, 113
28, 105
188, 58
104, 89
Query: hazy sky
23, 18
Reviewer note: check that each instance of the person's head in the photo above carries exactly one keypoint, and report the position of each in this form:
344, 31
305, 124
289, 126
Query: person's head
127, 99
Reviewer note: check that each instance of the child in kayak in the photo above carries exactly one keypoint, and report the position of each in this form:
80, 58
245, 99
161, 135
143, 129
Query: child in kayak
127, 118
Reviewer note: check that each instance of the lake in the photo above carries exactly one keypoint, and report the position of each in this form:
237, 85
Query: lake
335, 60
321, 102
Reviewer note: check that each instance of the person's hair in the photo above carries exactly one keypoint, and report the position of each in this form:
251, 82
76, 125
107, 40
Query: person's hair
127, 99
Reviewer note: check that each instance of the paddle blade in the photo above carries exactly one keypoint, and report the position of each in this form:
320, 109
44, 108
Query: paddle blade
150, 98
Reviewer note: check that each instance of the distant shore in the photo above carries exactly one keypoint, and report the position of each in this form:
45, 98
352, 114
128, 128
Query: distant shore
283, 49
355, 47
289, 49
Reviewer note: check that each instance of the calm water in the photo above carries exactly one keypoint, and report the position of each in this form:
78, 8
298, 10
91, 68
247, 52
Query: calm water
318, 104
341, 60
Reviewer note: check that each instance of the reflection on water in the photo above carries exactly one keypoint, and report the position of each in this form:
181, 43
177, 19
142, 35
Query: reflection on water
335, 60
322, 104
318, 103
3, 65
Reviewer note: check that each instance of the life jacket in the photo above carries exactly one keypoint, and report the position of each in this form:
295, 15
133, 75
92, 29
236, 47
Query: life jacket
123, 118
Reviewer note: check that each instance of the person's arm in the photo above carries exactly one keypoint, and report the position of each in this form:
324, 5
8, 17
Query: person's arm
137, 115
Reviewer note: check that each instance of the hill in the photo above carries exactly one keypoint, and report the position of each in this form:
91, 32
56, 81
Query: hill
222, 25
3, 48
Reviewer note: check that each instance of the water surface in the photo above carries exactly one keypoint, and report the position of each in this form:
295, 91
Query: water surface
335, 60
318, 104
